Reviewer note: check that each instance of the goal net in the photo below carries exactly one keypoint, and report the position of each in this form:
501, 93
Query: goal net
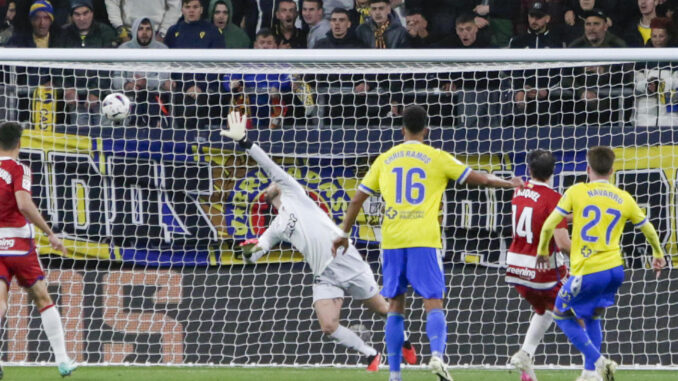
151, 209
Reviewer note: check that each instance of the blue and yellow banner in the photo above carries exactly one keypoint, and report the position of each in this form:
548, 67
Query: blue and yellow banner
163, 203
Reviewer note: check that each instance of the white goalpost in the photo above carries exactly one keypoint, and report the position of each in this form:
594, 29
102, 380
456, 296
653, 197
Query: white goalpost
152, 209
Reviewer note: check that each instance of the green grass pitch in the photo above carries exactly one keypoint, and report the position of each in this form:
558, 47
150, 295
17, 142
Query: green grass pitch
287, 374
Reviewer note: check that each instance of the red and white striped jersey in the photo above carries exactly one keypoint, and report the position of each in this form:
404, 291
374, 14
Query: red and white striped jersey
16, 233
531, 206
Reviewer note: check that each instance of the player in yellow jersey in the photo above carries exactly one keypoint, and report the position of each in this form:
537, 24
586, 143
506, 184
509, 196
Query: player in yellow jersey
599, 211
411, 178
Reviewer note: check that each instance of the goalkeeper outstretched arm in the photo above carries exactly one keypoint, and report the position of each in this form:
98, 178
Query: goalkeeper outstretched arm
254, 249
236, 131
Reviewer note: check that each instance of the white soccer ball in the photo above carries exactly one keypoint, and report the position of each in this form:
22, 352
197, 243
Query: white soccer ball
116, 107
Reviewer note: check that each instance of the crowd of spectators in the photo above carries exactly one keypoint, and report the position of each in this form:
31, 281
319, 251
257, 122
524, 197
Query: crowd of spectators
344, 24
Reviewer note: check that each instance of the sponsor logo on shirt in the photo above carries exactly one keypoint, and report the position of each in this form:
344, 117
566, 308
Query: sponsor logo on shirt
586, 251
522, 272
6, 244
412, 215
291, 226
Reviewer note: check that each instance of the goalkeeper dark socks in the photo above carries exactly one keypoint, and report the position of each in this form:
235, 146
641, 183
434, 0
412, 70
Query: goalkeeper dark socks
395, 337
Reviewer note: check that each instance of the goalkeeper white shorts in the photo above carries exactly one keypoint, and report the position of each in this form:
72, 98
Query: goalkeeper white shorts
360, 287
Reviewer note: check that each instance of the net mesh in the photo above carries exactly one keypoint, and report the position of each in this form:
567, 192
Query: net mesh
151, 208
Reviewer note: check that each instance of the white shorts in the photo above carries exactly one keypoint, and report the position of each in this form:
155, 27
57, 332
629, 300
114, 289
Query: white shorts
362, 286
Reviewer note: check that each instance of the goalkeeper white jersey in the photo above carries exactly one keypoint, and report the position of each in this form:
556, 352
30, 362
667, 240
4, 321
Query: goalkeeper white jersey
301, 222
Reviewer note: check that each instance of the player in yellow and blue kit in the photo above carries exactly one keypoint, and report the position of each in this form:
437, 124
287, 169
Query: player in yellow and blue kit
599, 211
411, 178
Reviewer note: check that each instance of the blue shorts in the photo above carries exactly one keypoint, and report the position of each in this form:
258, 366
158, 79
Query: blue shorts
422, 267
584, 293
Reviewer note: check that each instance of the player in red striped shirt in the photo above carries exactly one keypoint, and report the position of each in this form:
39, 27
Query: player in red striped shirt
531, 206
18, 255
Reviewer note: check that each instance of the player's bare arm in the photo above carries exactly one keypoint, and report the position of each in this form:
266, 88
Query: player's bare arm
32, 214
547, 232
492, 181
658, 261
349, 219
562, 238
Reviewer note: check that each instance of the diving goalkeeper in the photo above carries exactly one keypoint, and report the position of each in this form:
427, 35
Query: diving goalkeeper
311, 231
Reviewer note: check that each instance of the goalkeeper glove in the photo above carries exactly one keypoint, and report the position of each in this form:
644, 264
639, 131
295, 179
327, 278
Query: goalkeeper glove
249, 247
236, 129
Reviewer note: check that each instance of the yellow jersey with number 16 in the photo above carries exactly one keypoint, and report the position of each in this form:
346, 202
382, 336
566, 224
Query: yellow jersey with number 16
411, 178
599, 213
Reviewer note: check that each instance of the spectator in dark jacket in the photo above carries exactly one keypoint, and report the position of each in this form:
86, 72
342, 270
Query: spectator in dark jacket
531, 87
288, 35
418, 29
341, 35
220, 12
596, 34
539, 34
82, 88
43, 32
359, 13
638, 32
467, 35
440, 13
498, 17
592, 84
195, 92
192, 32
556, 12
382, 30
7, 16
84, 32
61, 12
575, 16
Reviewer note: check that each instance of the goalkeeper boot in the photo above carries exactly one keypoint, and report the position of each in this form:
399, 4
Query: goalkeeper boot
439, 368
373, 363
67, 367
606, 368
522, 361
409, 353
2, 372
